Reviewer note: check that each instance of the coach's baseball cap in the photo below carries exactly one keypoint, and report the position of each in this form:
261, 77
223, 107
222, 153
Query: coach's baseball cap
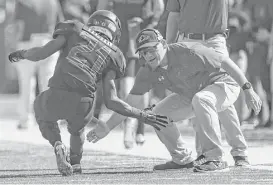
147, 38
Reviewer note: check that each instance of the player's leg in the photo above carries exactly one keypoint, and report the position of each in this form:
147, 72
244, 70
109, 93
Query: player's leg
49, 128
235, 138
46, 108
177, 108
76, 124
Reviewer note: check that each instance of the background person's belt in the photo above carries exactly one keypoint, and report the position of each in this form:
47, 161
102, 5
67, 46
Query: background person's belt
202, 36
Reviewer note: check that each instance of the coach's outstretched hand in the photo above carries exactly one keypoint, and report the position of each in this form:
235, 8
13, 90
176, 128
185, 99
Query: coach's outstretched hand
16, 56
100, 131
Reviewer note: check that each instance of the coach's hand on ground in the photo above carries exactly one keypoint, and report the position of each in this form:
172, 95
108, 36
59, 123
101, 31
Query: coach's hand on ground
100, 131
253, 101
16, 56
155, 120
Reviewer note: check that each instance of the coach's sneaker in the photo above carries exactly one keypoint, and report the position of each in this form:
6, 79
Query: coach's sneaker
62, 159
77, 169
170, 165
212, 166
200, 160
241, 161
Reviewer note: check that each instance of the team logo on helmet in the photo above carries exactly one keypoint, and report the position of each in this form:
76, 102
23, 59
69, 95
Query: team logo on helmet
95, 22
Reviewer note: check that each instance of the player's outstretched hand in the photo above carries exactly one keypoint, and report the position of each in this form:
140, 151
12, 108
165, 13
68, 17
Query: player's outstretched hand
100, 131
253, 101
16, 56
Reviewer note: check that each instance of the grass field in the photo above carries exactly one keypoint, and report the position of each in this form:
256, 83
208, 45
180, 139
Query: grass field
22, 163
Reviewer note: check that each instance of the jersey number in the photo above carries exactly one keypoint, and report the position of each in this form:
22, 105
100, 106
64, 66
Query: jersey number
95, 56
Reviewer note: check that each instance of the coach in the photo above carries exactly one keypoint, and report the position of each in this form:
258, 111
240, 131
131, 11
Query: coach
206, 21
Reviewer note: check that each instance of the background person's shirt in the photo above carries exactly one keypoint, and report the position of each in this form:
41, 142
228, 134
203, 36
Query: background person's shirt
200, 16
37, 16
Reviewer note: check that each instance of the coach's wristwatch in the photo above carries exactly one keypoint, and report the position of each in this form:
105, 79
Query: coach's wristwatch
247, 85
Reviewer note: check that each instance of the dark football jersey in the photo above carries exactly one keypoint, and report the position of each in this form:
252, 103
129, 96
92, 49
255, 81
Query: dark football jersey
83, 61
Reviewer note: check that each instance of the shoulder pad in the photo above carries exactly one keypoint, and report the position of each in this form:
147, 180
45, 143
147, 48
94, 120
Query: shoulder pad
64, 28
117, 62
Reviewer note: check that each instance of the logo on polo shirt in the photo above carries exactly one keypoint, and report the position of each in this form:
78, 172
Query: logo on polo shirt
161, 78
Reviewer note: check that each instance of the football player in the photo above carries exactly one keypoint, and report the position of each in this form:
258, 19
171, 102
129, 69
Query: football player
88, 55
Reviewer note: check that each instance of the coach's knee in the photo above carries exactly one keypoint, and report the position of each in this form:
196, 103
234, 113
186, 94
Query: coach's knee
200, 100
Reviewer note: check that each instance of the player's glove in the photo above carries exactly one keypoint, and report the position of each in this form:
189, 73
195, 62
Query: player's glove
152, 119
16, 56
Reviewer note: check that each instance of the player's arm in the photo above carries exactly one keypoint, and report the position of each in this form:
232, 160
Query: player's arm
123, 109
172, 21
140, 87
112, 101
39, 53
61, 33
42, 52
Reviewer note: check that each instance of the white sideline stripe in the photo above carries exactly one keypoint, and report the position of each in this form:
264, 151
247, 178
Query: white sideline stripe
262, 167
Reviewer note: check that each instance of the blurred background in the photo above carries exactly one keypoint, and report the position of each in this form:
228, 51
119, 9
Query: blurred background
250, 24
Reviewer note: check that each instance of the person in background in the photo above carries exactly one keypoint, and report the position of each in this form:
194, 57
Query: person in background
76, 9
37, 20
239, 24
259, 59
159, 93
237, 50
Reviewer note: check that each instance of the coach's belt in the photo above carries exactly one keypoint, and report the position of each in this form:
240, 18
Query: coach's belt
202, 36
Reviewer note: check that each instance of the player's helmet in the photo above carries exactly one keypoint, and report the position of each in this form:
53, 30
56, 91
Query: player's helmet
106, 23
